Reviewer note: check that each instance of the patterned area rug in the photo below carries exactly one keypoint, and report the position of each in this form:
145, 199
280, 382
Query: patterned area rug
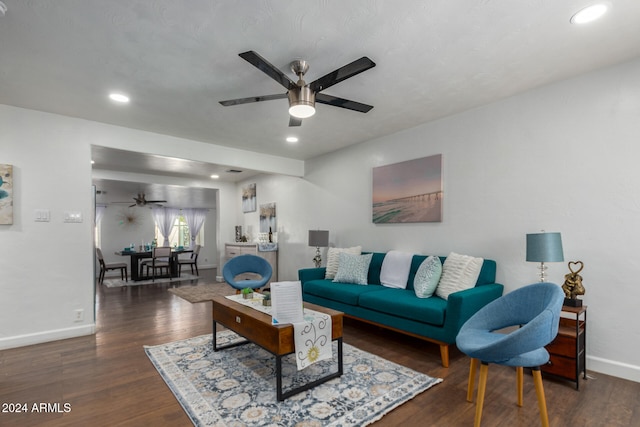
202, 293
236, 386
118, 283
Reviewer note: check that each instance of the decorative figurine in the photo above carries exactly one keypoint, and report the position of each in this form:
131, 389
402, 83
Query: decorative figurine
573, 285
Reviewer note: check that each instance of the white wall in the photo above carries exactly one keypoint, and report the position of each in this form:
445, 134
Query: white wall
559, 158
48, 268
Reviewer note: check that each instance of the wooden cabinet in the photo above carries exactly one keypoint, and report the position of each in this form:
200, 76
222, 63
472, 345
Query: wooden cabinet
234, 249
567, 352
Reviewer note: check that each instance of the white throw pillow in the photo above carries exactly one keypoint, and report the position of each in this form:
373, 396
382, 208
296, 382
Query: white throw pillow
395, 269
332, 259
427, 277
353, 268
459, 272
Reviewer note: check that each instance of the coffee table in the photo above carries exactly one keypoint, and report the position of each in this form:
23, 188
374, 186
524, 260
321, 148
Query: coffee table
278, 340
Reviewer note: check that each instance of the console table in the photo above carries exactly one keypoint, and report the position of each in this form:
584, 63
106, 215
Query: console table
567, 352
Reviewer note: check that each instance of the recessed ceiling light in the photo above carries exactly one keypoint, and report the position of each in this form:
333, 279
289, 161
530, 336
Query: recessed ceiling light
214, 176
93, 162
119, 97
292, 139
590, 13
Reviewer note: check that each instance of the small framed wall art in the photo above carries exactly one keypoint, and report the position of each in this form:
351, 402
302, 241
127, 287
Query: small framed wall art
6, 194
249, 198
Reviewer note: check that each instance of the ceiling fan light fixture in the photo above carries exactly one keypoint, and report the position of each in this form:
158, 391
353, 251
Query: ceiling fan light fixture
302, 102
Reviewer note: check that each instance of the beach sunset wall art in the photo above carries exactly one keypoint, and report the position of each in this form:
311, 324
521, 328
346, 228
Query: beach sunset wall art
6, 194
408, 191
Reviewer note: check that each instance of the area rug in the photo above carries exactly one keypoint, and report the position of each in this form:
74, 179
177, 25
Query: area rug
236, 386
202, 293
118, 283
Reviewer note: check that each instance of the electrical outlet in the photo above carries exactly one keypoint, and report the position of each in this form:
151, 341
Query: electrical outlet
79, 315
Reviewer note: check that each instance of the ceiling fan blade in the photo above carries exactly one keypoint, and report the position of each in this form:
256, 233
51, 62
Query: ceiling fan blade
156, 201
294, 121
342, 103
270, 70
342, 73
132, 205
253, 99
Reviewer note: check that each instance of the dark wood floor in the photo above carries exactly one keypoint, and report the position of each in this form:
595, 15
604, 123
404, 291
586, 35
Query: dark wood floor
108, 380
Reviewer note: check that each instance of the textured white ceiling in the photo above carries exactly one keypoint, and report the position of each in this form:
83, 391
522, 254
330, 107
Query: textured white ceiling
178, 58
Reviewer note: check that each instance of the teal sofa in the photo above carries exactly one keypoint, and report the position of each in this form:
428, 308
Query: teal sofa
432, 319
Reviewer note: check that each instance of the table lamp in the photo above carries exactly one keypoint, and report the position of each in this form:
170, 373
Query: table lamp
319, 239
544, 247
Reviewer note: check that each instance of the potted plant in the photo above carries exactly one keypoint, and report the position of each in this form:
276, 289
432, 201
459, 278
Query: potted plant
266, 300
247, 293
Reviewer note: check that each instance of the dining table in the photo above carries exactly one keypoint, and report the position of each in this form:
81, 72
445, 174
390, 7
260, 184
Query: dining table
137, 256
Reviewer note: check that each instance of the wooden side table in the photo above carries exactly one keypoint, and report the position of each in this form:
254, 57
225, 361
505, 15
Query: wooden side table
567, 352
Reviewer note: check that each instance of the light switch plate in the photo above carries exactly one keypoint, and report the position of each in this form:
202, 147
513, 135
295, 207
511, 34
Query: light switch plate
42, 215
73, 216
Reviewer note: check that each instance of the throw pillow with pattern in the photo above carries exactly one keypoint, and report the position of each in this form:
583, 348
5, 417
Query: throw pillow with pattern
353, 268
427, 277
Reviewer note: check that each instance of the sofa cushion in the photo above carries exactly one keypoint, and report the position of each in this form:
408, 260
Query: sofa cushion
353, 269
347, 293
403, 303
395, 269
427, 277
459, 272
333, 261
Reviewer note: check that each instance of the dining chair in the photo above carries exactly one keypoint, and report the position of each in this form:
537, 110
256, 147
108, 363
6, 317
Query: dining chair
160, 258
243, 264
104, 267
191, 261
533, 313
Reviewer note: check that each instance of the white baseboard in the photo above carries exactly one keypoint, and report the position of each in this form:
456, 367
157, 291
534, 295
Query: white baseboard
47, 336
613, 368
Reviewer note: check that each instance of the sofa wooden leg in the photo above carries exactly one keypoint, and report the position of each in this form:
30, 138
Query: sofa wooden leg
444, 354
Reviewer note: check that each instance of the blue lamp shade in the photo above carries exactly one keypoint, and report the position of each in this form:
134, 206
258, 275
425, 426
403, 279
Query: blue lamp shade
544, 247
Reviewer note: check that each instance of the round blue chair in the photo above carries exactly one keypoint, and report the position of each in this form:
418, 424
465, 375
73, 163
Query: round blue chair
534, 311
247, 264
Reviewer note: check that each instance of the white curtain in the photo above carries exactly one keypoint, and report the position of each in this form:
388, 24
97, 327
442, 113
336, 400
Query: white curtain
195, 220
165, 218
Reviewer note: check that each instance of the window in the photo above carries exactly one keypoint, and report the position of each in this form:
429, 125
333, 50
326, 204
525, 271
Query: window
180, 235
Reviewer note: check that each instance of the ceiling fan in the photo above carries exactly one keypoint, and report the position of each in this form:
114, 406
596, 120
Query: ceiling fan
141, 200
302, 96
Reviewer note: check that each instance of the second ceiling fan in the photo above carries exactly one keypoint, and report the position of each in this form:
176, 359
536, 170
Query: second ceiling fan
302, 96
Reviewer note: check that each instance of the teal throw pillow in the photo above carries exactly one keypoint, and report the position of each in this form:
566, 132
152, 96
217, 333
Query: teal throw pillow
353, 268
427, 277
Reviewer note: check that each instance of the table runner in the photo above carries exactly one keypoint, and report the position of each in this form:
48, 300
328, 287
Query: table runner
312, 338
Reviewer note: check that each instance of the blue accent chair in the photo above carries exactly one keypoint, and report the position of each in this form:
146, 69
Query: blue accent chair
535, 312
247, 264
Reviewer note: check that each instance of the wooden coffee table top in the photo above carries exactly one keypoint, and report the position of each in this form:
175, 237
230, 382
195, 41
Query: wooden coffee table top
256, 326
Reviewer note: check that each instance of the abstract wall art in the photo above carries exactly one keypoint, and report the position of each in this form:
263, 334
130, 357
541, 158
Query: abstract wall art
6, 194
249, 198
409, 191
268, 218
